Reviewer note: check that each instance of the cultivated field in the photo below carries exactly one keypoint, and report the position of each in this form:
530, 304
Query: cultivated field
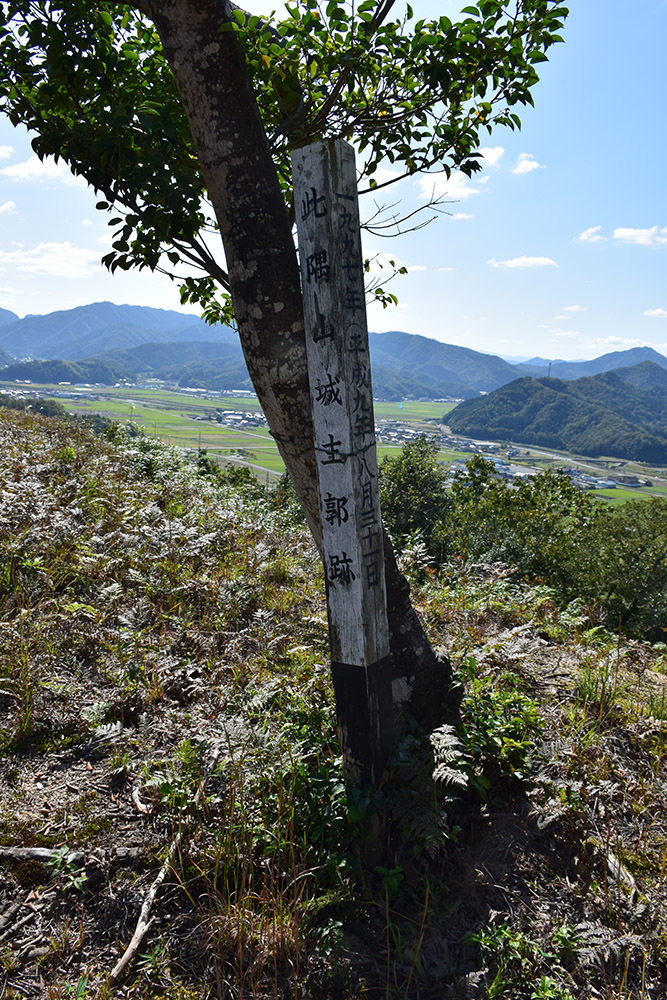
189, 420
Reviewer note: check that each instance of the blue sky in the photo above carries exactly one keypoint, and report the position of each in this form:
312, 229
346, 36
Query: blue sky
559, 249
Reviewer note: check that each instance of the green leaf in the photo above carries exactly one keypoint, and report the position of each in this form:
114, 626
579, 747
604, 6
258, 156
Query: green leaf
111, 110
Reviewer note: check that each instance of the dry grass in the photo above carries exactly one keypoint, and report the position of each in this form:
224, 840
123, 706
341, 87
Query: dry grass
164, 644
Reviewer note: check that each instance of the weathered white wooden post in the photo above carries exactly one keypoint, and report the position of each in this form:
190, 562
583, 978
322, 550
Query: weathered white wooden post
327, 214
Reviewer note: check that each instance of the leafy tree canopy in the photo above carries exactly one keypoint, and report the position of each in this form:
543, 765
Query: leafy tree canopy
412, 493
611, 559
92, 81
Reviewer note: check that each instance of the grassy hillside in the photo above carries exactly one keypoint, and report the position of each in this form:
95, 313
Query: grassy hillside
165, 706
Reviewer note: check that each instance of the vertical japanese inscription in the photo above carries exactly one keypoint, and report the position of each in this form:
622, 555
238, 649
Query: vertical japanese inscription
325, 193
341, 396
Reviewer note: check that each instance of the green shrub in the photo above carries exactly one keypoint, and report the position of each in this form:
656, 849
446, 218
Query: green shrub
413, 495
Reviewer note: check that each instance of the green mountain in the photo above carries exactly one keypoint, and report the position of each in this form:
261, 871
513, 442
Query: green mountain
602, 415
195, 364
155, 357
215, 365
7, 316
639, 397
136, 342
53, 372
73, 334
646, 375
440, 369
221, 373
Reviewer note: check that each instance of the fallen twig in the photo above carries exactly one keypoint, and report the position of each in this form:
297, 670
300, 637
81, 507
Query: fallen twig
47, 855
15, 927
145, 920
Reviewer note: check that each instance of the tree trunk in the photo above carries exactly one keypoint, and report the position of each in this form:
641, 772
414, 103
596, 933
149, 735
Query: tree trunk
240, 176
228, 135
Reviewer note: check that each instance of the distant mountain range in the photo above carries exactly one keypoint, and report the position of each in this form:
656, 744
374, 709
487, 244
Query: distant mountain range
103, 342
73, 334
6, 316
539, 367
620, 413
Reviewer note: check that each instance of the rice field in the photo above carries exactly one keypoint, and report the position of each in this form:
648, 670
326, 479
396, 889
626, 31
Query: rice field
190, 421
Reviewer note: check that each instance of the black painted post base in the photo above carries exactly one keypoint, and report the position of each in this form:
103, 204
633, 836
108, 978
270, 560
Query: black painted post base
365, 712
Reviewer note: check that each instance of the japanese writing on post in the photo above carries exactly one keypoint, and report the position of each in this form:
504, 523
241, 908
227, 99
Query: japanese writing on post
339, 373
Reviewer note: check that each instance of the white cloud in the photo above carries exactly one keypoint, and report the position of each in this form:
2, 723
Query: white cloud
34, 170
624, 343
591, 235
462, 215
566, 333
525, 164
9, 208
6, 152
562, 317
383, 175
446, 269
383, 266
653, 237
524, 262
60, 260
656, 313
491, 154
456, 187
575, 309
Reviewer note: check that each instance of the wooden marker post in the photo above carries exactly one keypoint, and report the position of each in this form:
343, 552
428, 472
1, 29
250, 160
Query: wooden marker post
327, 216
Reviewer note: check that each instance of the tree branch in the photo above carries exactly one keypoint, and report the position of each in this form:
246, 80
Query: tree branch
321, 116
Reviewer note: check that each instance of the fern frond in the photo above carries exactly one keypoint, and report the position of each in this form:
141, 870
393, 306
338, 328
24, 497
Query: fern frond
450, 764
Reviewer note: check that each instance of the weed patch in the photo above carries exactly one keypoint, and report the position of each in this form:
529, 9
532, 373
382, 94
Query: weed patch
164, 681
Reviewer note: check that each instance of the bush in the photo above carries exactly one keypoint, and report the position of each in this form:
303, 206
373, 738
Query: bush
413, 497
615, 559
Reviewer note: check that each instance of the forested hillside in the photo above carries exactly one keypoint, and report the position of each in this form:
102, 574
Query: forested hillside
53, 372
621, 413
167, 740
